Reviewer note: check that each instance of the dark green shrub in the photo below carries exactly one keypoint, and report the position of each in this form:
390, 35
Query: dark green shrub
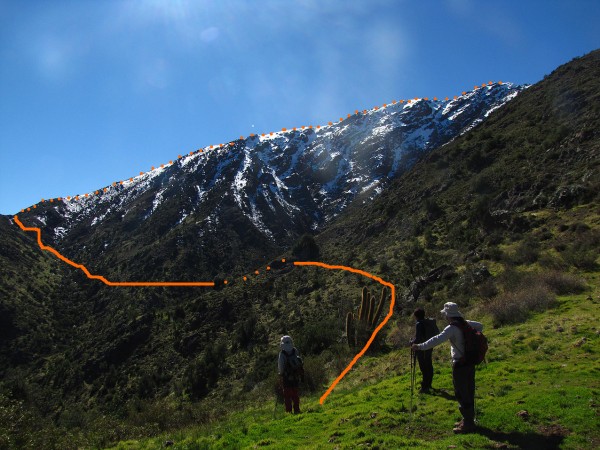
487, 289
515, 306
562, 283
434, 211
495, 254
315, 374
317, 336
527, 251
400, 335
581, 256
265, 365
551, 261
244, 334
306, 248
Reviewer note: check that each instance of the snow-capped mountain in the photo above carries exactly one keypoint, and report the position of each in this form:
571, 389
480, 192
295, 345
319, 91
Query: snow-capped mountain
268, 188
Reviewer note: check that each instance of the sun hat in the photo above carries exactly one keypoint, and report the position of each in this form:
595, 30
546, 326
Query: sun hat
286, 344
451, 310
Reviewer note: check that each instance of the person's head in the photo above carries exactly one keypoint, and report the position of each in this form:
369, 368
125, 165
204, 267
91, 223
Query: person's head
419, 313
286, 344
451, 312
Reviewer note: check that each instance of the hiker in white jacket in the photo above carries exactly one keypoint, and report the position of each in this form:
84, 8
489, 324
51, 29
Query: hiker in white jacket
463, 374
291, 372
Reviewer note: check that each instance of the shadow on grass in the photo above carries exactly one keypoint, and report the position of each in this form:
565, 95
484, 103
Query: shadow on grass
530, 441
443, 393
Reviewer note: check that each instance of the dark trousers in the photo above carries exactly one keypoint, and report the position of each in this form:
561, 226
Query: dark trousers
426, 366
463, 378
291, 397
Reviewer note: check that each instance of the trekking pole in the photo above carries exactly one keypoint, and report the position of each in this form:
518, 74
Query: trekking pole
414, 365
475, 398
277, 393
412, 380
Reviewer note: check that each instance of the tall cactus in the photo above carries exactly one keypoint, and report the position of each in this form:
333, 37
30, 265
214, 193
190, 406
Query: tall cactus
371, 309
360, 327
379, 309
350, 329
362, 311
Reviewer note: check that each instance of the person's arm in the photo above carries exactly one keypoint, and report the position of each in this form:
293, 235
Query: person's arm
281, 364
435, 340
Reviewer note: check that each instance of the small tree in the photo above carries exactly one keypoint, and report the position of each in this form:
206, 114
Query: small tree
306, 248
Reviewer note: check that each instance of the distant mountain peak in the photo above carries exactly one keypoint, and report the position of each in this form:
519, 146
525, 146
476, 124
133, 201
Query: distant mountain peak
281, 184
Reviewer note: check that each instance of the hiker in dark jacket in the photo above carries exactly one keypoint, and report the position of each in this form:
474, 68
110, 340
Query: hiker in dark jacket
290, 376
463, 374
423, 356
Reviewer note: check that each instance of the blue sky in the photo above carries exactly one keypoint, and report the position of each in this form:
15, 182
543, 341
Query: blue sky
93, 92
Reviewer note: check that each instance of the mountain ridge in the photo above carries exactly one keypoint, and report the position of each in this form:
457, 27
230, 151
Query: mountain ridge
266, 190
269, 135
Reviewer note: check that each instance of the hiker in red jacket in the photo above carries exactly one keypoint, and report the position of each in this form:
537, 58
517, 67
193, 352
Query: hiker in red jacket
463, 373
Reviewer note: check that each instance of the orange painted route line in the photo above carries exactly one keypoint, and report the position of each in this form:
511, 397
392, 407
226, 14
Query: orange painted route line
379, 327
101, 278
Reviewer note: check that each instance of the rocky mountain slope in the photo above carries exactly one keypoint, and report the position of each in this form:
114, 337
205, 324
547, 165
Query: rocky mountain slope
216, 208
532, 159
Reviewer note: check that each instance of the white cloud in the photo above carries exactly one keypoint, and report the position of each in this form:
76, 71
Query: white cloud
55, 57
461, 7
224, 85
500, 23
158, 10
387, 47
210, 34
189, 22
155, 74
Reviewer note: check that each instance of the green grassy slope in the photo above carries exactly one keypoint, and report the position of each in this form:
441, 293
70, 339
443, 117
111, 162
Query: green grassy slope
548, 366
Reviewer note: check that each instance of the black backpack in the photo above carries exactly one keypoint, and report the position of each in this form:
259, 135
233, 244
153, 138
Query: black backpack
476, 344
431, 328
294, 366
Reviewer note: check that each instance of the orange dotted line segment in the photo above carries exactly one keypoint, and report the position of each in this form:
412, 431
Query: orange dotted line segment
252, 135
101, 278
375, 332
257, 272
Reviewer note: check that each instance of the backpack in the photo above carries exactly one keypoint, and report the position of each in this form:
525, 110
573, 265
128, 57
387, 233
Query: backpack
476, 344
294, 366
431, 328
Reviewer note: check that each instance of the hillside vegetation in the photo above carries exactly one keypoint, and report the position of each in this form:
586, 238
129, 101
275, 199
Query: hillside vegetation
505, 221
540, 389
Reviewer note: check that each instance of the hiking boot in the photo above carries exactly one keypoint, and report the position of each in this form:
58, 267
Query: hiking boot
465, 427
459, 424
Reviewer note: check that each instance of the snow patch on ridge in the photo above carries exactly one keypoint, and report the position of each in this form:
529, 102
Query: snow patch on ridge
506, 99
201, 194
240, 181
256, 219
